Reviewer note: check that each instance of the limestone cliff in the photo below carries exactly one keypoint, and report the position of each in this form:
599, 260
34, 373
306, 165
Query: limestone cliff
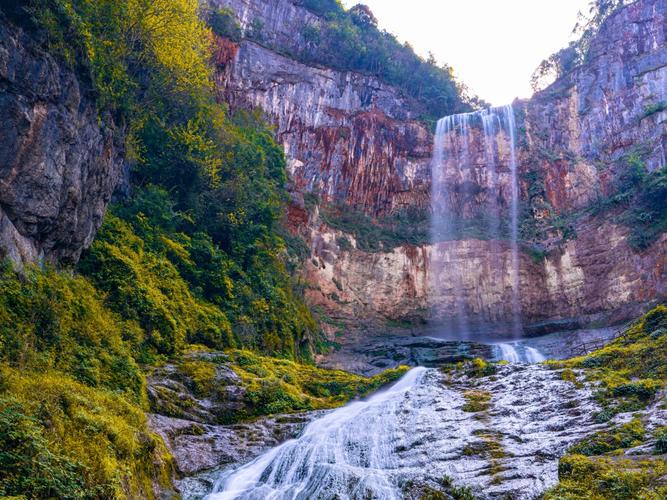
59, 159
353, 140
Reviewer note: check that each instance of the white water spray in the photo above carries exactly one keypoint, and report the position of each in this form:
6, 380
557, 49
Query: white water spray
443, 221
452, 164
348, 452
517, 328
517, 353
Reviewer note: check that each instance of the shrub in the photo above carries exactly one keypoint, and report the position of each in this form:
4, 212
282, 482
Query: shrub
53, 320
61, 439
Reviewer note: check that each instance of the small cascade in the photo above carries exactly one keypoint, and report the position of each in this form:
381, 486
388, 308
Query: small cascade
517, 353
534, 356
453, 164
418, 432
509, 353
351, 447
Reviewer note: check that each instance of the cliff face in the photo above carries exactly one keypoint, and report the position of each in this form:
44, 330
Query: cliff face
59, 161
354, 141
348, 137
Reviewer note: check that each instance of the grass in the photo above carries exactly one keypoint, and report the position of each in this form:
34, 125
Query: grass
275, 385
62, 439
630, 370
628, 373
602, 478
476, 401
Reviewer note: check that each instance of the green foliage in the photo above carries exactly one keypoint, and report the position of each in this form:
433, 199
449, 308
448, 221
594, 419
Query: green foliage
62, 439
351, 41
565, 60
594, 478
479, 368
202, 374
223, 23
661, 440
145, 287
624, 436
376, 235
50, 320
652, 109
196, 248
647, 216
631, 369
280, 386
476, 401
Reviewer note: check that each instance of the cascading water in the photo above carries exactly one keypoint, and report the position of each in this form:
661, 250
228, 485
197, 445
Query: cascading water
443, 223
514, 211
348, 452
420, 431
518, 353
453, 165
534, 356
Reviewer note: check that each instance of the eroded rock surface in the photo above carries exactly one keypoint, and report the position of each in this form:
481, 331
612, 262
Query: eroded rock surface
501, 435
59, 159
353, 140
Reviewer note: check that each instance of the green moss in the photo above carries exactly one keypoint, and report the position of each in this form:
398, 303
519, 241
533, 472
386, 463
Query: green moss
59, 438
476, 401
624, 436
201, 374
595, 478
628, 373
280, 386
479, 368
51, 320
660, 436
630, 370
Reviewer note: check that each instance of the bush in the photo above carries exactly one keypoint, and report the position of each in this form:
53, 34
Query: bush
52, 320
281, 386
625, 436
61, 439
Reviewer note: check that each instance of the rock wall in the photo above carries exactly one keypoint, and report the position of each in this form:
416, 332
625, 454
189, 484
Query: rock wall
59, 160
596, 278
348, 137
353, 140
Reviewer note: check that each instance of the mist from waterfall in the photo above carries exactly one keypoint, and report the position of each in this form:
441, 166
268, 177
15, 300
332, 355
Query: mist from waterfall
449, 187
443, 221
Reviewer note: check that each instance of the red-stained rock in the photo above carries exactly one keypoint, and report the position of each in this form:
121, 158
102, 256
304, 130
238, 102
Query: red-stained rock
354, 141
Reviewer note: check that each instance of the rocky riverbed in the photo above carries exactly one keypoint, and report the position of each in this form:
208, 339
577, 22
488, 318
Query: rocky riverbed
500, 434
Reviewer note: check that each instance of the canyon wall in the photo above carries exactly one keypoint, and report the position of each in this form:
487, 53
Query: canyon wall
59, 160
354, 141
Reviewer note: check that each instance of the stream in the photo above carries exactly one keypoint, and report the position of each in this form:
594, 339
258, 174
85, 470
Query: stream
417, 432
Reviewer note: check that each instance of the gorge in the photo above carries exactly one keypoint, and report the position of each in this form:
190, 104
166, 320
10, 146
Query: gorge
261, 249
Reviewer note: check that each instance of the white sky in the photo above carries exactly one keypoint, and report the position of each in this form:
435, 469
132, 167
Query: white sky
493, 45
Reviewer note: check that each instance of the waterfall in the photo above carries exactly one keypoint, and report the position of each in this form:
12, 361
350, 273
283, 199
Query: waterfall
534, 356
514, 211
348, 452
443, 221
513, 353
509, 353
453, 164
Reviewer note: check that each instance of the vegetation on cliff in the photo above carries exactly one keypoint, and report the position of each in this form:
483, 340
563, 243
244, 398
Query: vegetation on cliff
628, 373
193, 255
350, 40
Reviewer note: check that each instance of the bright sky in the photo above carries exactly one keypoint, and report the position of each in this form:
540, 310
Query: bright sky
493, 45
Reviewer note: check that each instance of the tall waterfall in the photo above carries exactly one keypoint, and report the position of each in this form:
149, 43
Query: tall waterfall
454, 167
443, 222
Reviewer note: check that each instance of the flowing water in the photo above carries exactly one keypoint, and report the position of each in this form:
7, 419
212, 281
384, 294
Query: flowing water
419, 431
519, 353
452, 168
